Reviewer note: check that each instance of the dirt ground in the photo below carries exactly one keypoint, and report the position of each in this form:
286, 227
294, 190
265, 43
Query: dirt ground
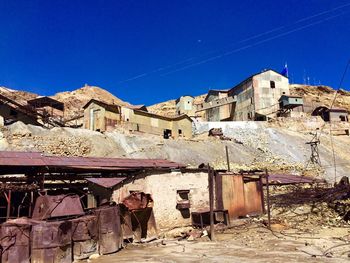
244, 244
306, 226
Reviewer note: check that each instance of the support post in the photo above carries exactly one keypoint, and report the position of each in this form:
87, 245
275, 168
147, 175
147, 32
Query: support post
268, 200
31, 204
211, 201
8, 212
227, 160
262, 193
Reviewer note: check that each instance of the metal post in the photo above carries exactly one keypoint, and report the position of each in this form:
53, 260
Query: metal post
227, 159
268, 200
211, 202
8, 212
31, 204
261, 183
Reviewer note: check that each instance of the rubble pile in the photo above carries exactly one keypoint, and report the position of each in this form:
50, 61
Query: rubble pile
305, 207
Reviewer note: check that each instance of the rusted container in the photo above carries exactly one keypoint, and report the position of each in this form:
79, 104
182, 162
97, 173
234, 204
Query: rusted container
84, 236
110, 236
53, 206
51, 242
15, 240
125, 221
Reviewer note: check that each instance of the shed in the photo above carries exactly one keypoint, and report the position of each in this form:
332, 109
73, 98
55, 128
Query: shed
44, 101
290, 102
333, 114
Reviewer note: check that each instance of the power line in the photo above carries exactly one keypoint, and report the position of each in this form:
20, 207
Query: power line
242, 41
252, 45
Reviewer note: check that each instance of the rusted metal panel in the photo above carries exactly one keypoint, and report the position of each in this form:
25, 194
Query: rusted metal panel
252, 196
106, 182
138, 200
143, 224
125, 221
84, 236
51, 206
142, 217
291, 179
110, 236
51, 242
233, 195
15, 240
31, 160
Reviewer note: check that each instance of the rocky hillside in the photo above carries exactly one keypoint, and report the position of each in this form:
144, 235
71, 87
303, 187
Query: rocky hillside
18, 95
76, 99
321, 95
168, 108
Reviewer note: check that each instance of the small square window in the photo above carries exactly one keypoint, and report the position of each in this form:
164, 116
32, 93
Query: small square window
272, 84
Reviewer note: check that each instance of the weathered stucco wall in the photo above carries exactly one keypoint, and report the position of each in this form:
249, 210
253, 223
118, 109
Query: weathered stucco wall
266, 97
185, 106
163, 188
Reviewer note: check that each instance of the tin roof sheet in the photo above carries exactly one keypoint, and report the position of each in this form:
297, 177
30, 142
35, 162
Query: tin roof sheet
291, 179
106, 182
38, 160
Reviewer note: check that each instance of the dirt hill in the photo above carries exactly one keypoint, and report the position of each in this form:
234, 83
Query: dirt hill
76, 99
18, 95
321, 95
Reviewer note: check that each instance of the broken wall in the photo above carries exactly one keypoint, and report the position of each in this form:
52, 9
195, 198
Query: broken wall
164, 189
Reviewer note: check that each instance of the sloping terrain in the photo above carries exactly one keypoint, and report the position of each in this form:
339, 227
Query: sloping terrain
321, 95
76, 99
18, 95
252, 145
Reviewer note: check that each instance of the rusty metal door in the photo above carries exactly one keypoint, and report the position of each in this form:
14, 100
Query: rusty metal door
233, 195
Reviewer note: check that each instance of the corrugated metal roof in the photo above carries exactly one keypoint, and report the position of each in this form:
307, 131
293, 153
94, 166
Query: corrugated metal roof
37, 160
291, 179
106, 182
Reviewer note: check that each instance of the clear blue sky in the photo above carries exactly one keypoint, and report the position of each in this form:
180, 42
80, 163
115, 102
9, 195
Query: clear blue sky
150, 51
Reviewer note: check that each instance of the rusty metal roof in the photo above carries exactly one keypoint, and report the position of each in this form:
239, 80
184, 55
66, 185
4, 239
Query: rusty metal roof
35, 160
291, 179
106, 182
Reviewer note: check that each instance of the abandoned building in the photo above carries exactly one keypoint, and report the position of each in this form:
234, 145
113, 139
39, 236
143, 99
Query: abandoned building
332, 115
256, 98
184, 105
100, 116
291, 106
41, 111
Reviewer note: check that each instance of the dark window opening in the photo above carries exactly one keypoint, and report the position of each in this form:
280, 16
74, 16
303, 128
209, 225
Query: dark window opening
283, 93
179, 112
183, 203
166, 134
180, 132
272, 84
342, 118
